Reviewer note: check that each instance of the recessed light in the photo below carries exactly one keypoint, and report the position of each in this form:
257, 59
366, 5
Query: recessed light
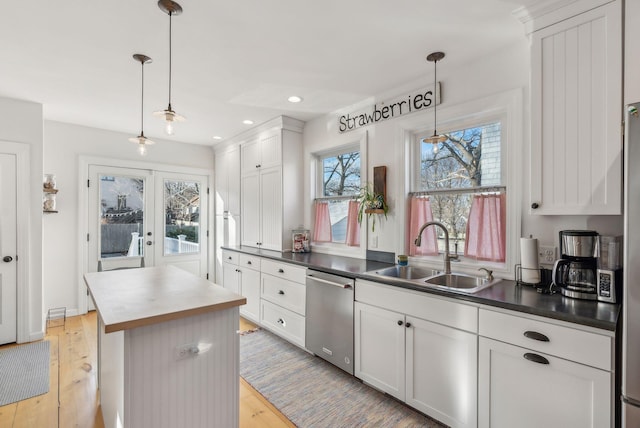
247, 122
294, 99
217, 137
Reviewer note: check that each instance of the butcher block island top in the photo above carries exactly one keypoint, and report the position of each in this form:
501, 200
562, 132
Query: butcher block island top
132, 298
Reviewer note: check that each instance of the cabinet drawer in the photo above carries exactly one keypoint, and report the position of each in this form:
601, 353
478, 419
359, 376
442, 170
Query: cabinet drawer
251, 262
588, 348
288, 294
418, 304
283, 322
230, 257
284, 270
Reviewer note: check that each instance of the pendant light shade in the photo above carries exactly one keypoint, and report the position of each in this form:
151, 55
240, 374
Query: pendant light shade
171, 8
141, 140
435, 138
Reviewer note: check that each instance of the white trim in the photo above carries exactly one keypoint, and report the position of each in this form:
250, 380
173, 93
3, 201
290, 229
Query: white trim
23, 241
509, 106
83, 221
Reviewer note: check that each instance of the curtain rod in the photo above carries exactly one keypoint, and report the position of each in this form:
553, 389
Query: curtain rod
473, 190
335, 198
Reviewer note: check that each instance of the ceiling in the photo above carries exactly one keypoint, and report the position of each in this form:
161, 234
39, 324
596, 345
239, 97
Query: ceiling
233, 60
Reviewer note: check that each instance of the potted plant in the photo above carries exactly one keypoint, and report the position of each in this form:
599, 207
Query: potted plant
371, 203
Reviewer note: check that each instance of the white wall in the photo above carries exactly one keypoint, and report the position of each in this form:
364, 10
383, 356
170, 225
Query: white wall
503, 71
21, 122
64, 144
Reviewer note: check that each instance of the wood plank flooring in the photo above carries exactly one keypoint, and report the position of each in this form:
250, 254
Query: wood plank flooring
73, 398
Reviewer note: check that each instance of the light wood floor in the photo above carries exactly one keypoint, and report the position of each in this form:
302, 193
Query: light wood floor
72, 400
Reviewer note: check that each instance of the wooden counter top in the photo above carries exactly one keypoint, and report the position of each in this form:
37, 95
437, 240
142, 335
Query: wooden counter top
131, 298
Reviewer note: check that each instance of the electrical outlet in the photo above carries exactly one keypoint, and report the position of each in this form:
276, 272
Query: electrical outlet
546, 254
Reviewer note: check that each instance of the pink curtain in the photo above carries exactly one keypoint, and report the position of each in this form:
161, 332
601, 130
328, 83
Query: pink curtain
322, 229
353, 228
486, 228
419, 214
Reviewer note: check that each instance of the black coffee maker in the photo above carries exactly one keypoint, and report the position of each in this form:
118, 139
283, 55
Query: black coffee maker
575, 272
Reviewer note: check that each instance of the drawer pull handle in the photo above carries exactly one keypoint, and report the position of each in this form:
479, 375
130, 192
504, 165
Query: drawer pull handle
248, 262
230, 258
535, 358
536, 336
280, 270
281, 292
282, 322
400, 322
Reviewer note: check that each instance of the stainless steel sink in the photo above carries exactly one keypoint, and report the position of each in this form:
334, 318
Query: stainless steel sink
461, 282
406, 272
429, 278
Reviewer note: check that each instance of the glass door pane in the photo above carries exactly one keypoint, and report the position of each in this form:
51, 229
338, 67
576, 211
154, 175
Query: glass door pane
182, 217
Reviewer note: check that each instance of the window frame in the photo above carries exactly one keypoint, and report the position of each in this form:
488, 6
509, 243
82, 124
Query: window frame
506, 108
337, 248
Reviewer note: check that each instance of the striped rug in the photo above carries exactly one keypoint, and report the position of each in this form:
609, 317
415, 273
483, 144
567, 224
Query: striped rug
24, 372
313, 393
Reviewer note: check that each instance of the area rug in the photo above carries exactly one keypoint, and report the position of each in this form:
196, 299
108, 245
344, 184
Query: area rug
313, 393
24, 372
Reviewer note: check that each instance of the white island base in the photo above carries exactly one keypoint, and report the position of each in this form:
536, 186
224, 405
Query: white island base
178, 368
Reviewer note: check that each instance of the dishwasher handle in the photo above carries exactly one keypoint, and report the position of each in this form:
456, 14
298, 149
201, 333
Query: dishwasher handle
335, 284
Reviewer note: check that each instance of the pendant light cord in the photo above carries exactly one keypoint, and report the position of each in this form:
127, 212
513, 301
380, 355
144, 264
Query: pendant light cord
142, 103
435, 101
170, 14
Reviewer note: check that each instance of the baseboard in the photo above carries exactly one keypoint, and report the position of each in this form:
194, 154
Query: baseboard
34, 336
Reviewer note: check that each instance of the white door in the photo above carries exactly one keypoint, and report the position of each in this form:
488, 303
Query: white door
140, 217
8, 249
181, 221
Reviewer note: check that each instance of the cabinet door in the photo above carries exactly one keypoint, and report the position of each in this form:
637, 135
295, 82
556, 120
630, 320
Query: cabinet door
222, 184
576, 115
270, 150
250, 288
232, 160
231, 277
516, 392
271, 209
250, 156
380, 348
250, 217
442, 372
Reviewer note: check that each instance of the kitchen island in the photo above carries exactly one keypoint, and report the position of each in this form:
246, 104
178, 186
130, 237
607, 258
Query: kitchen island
168, 348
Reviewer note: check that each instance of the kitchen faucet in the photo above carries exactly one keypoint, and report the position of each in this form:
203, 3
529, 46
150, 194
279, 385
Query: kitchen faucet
447, 257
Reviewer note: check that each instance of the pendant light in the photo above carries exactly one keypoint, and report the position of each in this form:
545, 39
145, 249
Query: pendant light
141, 140
435, 138
171, 8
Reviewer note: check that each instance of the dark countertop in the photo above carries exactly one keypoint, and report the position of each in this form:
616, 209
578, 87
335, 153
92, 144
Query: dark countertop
506, 294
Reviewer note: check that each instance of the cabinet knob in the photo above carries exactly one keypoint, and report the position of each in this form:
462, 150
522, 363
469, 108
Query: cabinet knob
229, 257
149, 242
281, 292
7, 259
400, 322
408, 325
535, 358
280, 270
248, 262
149, 233
535, 206
258, 166
281, 322
536, 336
238, 270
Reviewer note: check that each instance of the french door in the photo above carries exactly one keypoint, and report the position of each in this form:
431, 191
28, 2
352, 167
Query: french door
141, 218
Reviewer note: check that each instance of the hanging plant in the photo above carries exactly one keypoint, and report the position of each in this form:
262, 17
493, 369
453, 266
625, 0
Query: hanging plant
371, 203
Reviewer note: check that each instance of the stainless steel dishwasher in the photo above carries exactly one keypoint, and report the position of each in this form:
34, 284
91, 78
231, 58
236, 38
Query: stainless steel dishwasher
329, 318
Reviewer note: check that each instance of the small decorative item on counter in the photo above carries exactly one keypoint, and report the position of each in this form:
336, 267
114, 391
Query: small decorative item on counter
301, 242
403, 260
49, 202
49, 182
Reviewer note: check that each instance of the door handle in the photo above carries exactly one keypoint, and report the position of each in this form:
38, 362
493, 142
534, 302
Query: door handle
149, 242
7, 259
149, 233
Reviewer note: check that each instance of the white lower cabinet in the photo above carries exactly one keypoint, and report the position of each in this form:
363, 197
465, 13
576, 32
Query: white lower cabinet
538, 386
241, 274
426, 363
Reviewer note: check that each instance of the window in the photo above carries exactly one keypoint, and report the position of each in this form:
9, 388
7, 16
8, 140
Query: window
463, 180
339, 183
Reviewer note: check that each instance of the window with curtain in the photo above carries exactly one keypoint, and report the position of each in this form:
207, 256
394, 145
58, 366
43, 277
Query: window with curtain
463, 180
336, 211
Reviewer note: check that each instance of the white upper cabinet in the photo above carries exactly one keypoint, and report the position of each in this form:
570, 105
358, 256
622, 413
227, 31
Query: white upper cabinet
271, 158
227, 176
576, 110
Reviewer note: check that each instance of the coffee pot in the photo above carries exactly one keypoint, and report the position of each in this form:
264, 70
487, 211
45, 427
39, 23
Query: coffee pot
575, 272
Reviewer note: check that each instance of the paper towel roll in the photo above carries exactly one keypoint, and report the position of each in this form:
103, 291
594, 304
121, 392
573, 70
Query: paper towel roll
529, 260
